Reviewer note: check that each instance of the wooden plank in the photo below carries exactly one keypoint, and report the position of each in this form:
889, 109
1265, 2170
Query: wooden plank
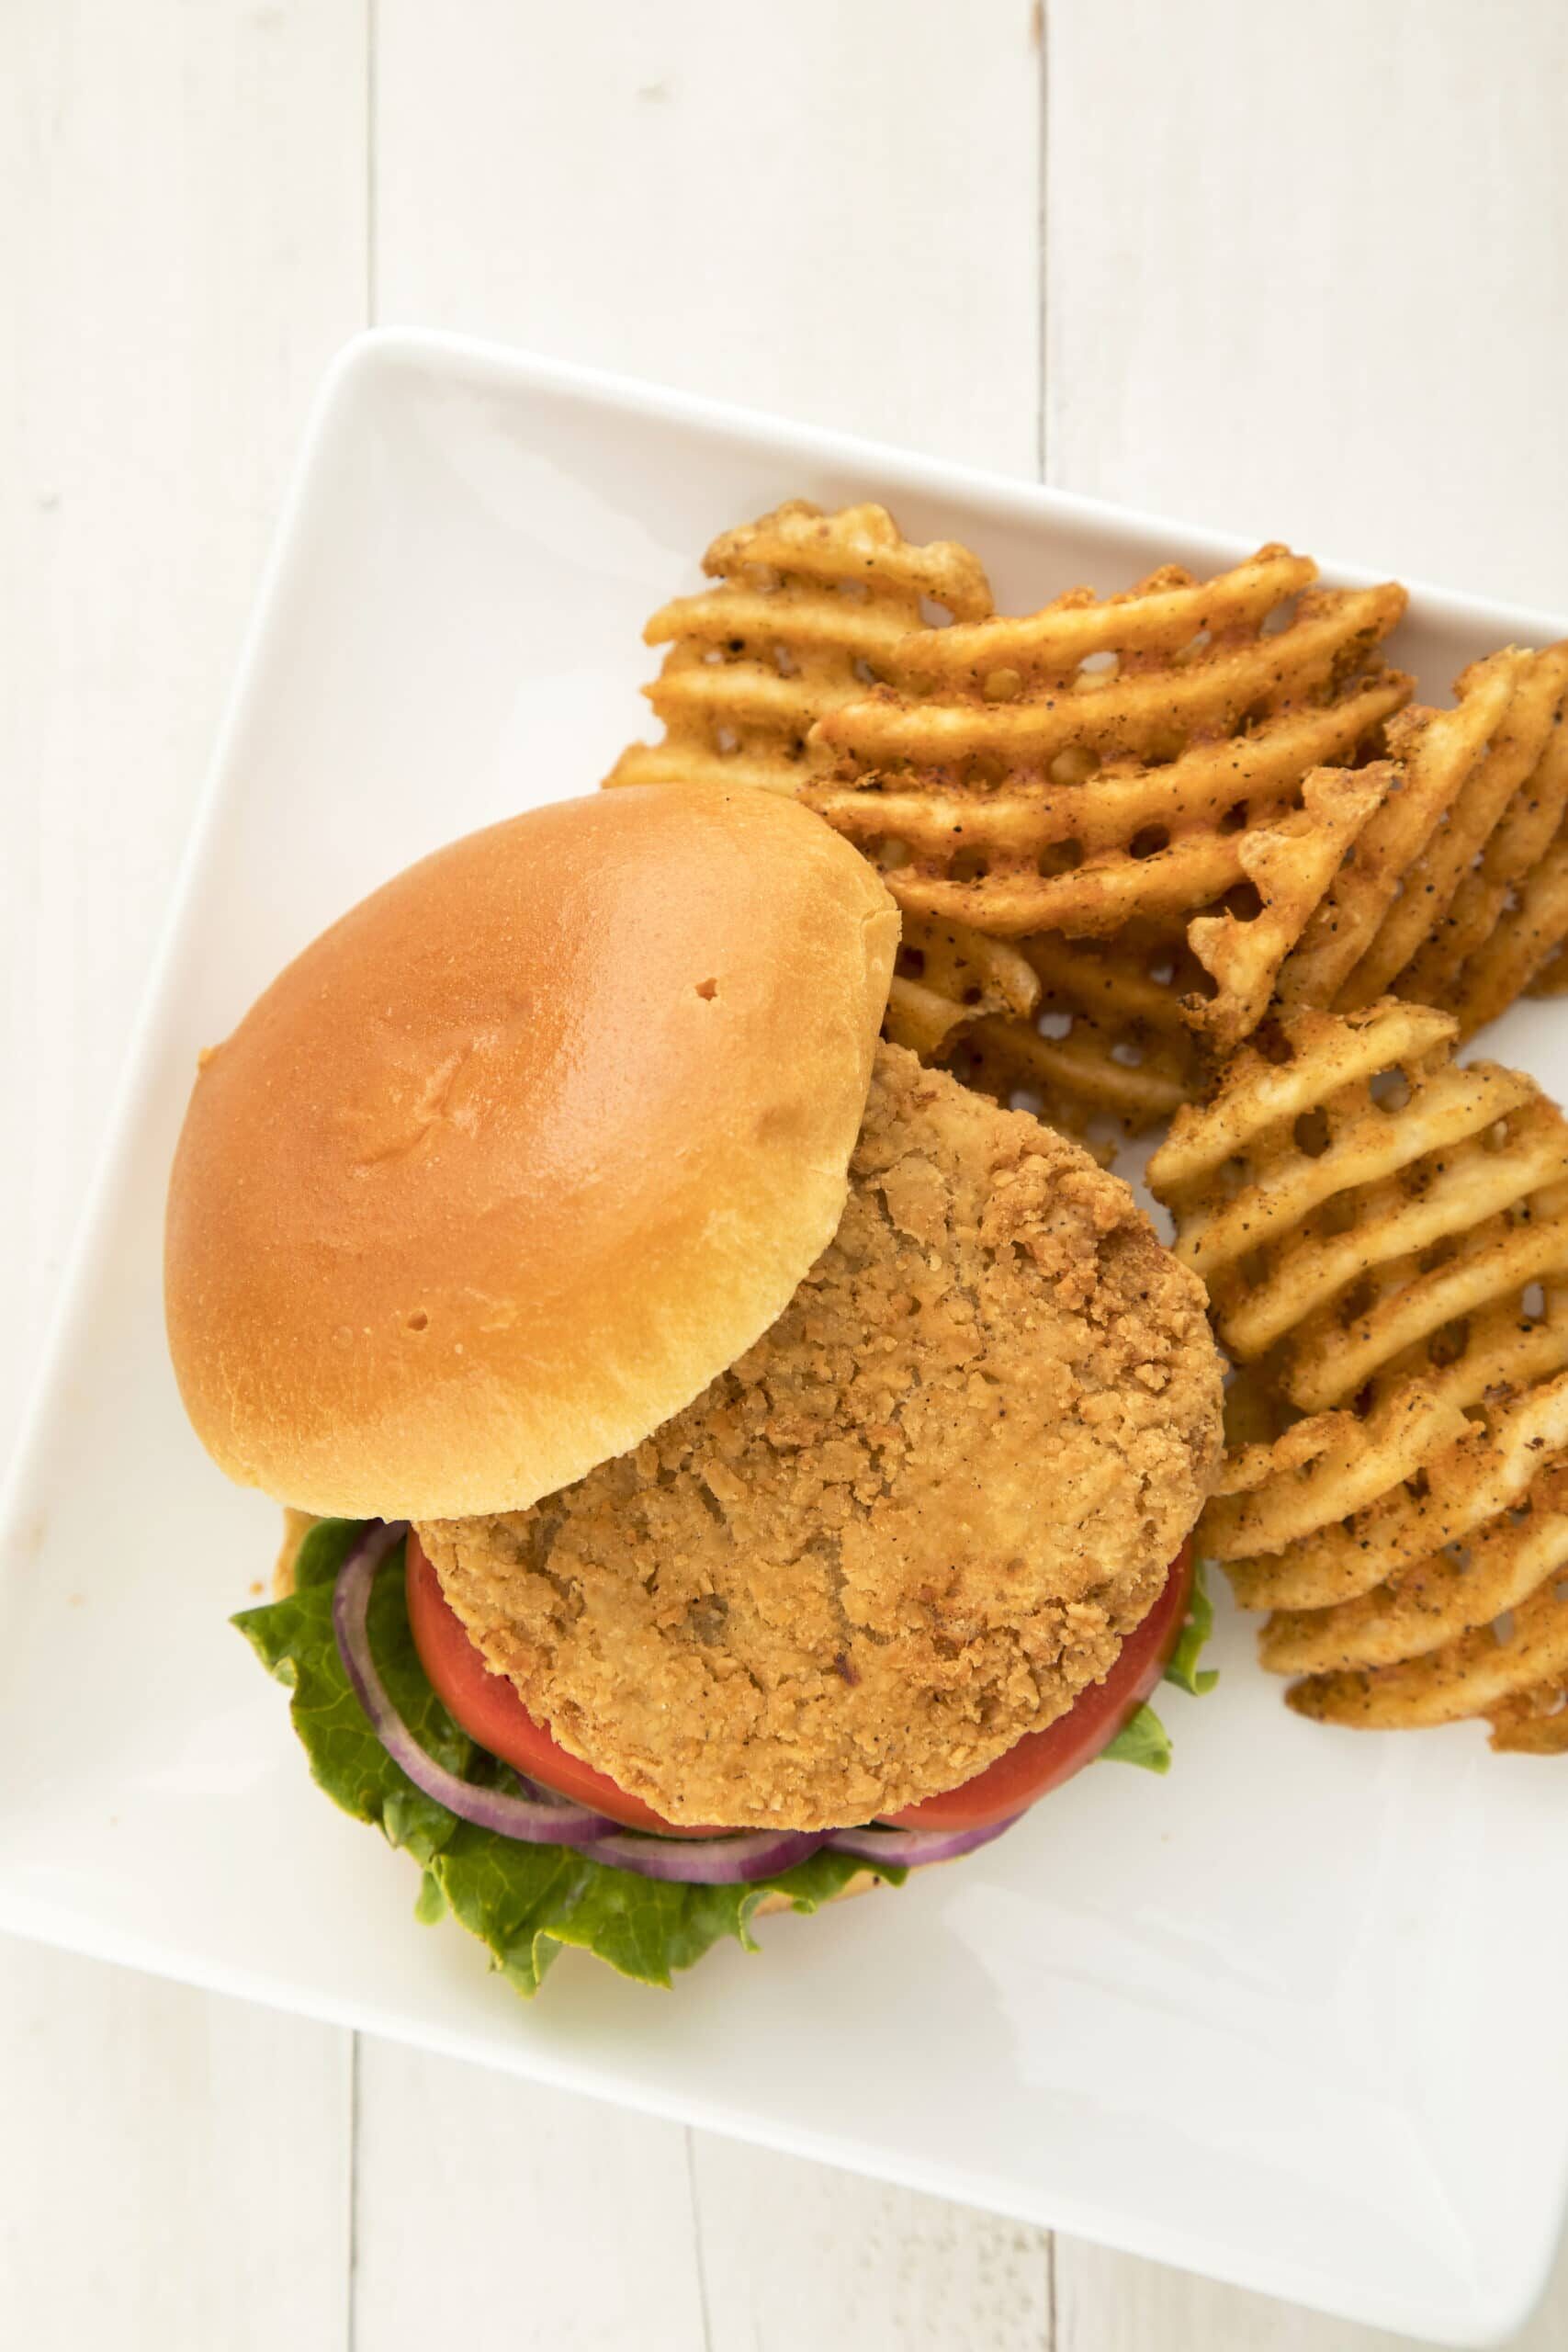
1302, 275
173, 2169
183, 190
184, 194
830, 213
795, 2254
835, 217
484, 2204
1298, 275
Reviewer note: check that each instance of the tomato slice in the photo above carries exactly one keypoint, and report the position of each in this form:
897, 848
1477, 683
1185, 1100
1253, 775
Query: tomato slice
490, 1712
1042, 1760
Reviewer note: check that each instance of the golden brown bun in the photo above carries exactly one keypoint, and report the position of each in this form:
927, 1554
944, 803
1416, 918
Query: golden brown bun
861, 1883
523, 1151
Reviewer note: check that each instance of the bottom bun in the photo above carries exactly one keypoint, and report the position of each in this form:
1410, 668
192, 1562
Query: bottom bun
297, 1525
861, 1883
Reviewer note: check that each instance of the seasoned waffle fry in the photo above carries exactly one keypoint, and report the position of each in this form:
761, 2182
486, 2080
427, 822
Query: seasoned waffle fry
1533, 1722
947, 978
1441, 901
1464, 1481
1324, 1470
1438, 751
1346, 1142
1552, 979
1333, 1357
1102, 760
1486, 893
1339, 1232
1514, 746
1398, 1220
1314, 1063
1289, 862
1507, 1345
1087, 854
1167, 617
1385, 1241
1448, 1593
811, 610
1522, 954
1477, 1674
1106, 1052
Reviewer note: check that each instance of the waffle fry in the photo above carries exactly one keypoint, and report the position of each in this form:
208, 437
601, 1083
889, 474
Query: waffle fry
1486, 902
1478, 1674
1289, 862
1385, 1240
1440, 1489
1105, 1052
1552, 979
947, 978
1103, 759
1457, 894
1324, 1470
1533, 1722
1408, 1609
1500, 1565
811, 610
1337, 1232
1520, 955
1088, 780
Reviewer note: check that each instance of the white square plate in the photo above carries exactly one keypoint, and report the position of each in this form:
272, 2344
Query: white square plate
1292, 2016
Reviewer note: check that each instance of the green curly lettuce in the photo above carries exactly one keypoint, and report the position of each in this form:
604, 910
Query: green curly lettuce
1143, 1738
1182, 1665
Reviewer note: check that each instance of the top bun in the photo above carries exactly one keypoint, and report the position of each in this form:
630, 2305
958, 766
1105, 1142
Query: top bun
524, 1152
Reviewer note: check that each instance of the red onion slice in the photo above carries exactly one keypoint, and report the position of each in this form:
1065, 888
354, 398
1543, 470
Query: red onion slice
711, 1861
536, 1820
913, 1846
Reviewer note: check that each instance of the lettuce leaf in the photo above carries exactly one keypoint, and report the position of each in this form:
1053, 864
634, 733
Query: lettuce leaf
522, 1902
1144, 1739
1182, 1668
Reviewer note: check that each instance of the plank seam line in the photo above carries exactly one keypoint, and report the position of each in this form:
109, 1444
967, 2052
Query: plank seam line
351, 2332
1050, 2290
696, 2239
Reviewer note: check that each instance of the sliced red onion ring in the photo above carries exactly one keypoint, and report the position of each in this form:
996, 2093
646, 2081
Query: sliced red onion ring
913, 1846
712, 1861
532, 1819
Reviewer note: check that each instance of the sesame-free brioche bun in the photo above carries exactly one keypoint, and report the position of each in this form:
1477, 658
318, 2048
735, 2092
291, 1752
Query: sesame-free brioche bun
525, 1150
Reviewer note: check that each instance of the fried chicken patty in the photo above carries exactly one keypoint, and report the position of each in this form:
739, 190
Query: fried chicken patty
910, 1524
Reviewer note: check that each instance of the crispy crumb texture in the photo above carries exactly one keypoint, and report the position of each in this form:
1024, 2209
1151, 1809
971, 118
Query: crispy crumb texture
910, 1524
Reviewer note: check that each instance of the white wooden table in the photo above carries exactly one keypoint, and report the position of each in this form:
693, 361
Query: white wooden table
1296, 271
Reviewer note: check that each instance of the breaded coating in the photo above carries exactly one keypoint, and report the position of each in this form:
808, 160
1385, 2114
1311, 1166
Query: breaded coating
912, 1523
